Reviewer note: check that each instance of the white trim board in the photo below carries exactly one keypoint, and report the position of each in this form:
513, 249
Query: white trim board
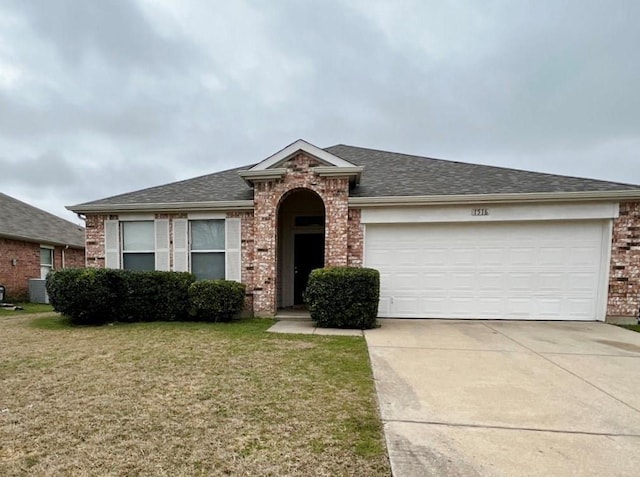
490, 213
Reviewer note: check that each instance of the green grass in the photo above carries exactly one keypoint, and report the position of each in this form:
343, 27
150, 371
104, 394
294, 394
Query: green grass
632, 327
29, 308
184, 399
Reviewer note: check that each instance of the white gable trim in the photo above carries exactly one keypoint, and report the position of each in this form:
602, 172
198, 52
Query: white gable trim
304, 146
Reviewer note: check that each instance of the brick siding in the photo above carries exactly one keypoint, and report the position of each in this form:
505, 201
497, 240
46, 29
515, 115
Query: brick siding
15, 278
355, 242
624, 274
268, 195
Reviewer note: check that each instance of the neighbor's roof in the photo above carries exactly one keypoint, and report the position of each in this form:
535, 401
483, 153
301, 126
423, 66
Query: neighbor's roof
22, 221
386, 174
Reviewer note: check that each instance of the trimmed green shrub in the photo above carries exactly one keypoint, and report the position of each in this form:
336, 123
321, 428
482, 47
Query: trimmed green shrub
216, 300
343, 297
96, 296
88, 296
154, 296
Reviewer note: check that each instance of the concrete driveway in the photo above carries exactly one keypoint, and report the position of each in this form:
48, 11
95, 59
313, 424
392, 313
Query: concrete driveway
508, 398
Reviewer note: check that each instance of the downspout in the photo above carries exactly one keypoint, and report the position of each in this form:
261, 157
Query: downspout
63, 250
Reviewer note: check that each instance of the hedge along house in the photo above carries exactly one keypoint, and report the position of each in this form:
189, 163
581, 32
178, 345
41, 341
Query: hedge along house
32, 243
450, 239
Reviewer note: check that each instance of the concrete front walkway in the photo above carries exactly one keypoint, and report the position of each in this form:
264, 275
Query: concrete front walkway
305, 326
467, 398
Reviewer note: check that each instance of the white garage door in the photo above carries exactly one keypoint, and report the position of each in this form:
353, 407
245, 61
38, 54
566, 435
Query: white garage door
525, 270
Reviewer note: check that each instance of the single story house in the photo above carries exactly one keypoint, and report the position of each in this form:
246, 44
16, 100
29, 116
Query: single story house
450, 239
32, 243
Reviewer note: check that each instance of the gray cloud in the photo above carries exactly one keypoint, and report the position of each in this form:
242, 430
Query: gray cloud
143, 92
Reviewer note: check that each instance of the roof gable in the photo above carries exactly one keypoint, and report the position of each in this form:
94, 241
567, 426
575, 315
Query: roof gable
283, 155
327, 164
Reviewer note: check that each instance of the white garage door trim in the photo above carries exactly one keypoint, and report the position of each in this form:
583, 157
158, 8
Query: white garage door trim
502, 270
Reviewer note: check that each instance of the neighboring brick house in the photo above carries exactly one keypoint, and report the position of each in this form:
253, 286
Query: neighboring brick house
33, 242
451, 240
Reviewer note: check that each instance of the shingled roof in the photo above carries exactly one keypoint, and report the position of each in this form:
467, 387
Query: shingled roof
386, 174
22, 221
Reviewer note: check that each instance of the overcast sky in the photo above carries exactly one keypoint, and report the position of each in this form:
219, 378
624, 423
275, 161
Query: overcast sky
103, 97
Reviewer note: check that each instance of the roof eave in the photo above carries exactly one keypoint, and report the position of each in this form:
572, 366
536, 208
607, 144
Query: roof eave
251, 176
494, 198
354, 173
162, 207
41, 241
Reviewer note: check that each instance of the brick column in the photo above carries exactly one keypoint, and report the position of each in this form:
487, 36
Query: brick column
624, 275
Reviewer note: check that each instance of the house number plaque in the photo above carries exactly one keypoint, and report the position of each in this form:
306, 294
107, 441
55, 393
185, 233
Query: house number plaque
479, 212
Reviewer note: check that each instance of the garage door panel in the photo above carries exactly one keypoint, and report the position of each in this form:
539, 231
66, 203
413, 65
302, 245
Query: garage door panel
528, 270
492, 281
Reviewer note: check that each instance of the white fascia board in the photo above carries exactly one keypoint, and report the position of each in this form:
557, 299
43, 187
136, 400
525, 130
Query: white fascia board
328, 171
331, 171
304, 146
494, 198
39, 240
162, 207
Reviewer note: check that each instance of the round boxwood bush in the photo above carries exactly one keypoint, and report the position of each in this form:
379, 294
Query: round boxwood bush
88, 296
216, 300
343, 297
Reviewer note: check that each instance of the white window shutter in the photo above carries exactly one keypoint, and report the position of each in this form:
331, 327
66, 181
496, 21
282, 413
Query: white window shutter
180, 245
111, 244
233, 242
162, 244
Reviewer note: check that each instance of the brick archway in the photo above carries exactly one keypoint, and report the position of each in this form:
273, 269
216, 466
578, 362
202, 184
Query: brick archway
300, 243
268, 194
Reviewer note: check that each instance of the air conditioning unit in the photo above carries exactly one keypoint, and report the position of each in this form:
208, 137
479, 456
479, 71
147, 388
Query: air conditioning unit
38, 291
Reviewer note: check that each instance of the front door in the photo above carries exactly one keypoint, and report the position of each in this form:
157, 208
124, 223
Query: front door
308, 254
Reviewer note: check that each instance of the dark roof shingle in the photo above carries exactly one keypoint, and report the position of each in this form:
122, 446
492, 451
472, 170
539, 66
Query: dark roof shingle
386, 174
393, 174
21, 220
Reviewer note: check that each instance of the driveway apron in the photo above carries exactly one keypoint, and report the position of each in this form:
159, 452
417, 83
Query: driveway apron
506, 398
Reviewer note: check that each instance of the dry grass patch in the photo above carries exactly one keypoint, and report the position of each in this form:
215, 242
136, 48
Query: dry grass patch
184, 399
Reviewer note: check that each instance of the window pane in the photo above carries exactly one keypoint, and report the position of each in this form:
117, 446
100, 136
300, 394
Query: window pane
139, 261
207, 266
46, 256
207, 235
138, 236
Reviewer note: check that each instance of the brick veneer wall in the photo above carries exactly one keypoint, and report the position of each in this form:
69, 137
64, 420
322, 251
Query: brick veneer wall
27, 254
16, 277
94, 244
334, 192
624, 275
355, 241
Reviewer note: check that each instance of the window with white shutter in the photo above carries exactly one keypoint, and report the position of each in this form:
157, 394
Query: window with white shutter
207, 246
213, 248
138, 245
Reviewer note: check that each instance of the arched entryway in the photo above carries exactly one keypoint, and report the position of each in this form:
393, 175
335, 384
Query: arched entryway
301, 244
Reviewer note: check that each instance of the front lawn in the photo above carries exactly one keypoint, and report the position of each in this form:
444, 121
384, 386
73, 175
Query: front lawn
184, 399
